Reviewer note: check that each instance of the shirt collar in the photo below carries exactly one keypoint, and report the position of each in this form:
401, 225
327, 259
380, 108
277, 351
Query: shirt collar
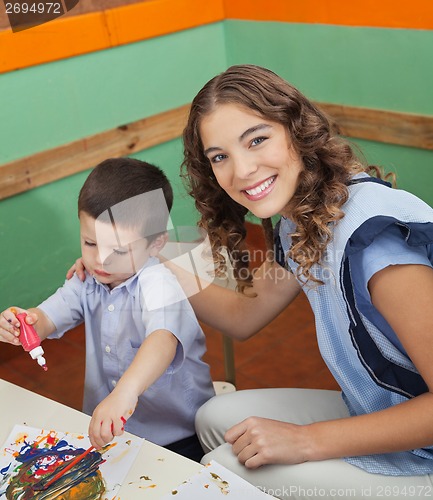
129, 284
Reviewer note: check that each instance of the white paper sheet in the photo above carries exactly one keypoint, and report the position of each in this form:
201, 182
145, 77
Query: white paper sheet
214, 482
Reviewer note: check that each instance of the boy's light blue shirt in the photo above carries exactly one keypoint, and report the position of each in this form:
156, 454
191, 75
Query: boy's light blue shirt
116, 322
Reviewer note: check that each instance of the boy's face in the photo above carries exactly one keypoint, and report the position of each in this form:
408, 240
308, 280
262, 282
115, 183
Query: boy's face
112, 254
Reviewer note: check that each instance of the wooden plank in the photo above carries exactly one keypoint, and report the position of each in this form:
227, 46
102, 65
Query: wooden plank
48, 166
23, 174
390, 127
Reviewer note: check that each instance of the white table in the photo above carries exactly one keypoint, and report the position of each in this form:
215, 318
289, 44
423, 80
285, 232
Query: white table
164, 468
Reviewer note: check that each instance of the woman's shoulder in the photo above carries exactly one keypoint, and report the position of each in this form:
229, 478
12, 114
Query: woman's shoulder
372, 196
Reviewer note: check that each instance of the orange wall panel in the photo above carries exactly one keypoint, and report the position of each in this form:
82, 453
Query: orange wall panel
155, 18
72, 36
417, 14
55, 40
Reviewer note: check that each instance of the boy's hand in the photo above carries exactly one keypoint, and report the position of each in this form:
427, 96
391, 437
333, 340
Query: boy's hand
10, 326
77, 268
110, 416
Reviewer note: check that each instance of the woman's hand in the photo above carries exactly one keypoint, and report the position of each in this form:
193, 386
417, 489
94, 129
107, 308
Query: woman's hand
77, 268
110, 416
258, 441
10, 326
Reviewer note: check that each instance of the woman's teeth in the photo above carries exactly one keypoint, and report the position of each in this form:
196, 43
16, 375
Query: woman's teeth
262, 187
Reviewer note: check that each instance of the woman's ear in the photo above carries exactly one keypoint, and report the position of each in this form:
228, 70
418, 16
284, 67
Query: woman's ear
158, 244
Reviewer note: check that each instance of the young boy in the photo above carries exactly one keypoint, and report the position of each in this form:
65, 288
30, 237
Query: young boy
143, 342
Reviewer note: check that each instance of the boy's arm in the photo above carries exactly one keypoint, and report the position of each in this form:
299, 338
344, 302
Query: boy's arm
57, 314
151, 361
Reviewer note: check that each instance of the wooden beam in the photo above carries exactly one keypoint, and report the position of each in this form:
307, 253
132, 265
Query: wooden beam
23, 174
379, 125
48, 166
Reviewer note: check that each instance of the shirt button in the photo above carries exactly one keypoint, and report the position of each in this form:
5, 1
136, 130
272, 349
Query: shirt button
107, 348
110, 307
113, 383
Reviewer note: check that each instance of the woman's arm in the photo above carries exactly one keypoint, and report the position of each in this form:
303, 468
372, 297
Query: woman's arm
234, 314
403, 294
151, 361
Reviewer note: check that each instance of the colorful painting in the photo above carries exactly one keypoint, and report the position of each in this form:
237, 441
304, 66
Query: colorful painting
30, 458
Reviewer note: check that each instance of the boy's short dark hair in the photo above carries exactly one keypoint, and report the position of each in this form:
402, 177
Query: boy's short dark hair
144, 189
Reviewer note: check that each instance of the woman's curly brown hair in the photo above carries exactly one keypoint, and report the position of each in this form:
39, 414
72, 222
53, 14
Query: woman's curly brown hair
328, 160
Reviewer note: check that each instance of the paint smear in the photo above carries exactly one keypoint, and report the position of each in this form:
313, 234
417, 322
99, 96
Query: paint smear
33, 456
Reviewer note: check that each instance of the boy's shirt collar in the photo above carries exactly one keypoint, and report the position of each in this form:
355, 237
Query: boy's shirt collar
130, 283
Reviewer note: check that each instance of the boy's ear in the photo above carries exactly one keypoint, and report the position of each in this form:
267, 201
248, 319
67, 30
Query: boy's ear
158, 244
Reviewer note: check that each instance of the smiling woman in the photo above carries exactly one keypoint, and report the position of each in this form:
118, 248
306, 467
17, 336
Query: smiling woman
363, 254
264, 136
254, 157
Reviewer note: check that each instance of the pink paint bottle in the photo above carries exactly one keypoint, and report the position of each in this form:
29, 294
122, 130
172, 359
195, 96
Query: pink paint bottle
30, 341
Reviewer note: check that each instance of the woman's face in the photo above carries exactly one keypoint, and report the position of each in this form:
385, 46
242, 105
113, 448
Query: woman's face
252, 158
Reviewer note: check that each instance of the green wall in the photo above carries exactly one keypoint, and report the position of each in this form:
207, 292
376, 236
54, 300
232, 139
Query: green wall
52, 104
56, 103
63, 101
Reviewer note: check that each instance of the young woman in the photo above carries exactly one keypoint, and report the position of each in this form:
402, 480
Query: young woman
363, 254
